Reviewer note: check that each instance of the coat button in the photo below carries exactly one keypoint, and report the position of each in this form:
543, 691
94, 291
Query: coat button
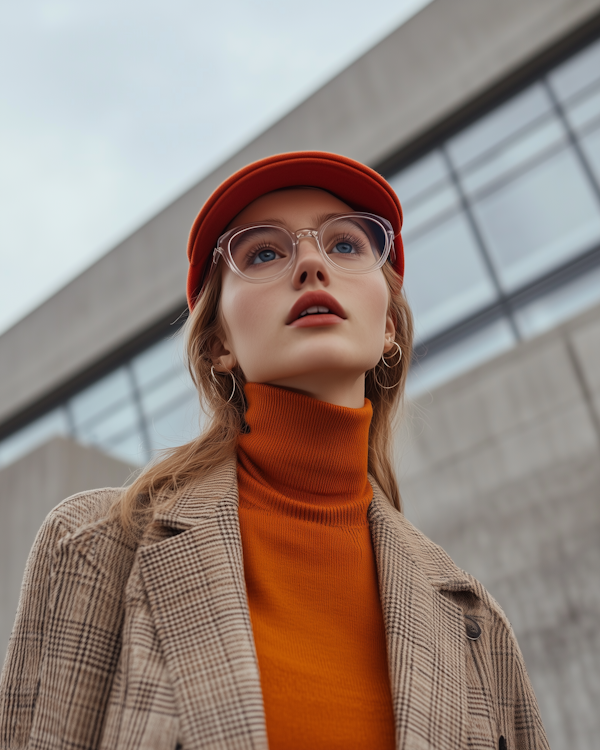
472, 628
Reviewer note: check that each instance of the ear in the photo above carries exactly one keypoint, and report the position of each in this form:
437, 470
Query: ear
390, 333
222, 358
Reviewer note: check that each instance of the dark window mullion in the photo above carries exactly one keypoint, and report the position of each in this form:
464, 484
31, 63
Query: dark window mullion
105, 413
532, 290
70, 420
502, 298
432, 223
512, 174
425, 194
143, 422
493, 151
574, 141
580, 96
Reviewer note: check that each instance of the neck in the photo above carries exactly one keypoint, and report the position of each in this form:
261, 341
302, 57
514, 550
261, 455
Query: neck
305, 449
332, 388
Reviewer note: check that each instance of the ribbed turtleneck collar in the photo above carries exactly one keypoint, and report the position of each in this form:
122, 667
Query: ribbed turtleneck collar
307, 457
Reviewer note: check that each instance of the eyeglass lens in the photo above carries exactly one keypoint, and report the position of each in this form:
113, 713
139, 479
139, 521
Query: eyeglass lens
353, 244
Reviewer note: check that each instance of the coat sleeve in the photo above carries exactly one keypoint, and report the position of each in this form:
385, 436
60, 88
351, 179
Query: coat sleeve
65, 643
20, 678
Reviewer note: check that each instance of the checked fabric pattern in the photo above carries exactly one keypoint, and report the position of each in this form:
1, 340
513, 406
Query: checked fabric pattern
151, 647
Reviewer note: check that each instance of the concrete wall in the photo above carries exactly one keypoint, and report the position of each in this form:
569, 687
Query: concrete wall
501, 467
29, 489
433, 65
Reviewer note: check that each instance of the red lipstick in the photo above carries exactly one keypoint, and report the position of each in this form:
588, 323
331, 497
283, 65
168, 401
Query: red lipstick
334, 315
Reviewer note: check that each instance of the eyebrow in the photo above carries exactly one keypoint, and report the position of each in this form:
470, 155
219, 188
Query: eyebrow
317, 220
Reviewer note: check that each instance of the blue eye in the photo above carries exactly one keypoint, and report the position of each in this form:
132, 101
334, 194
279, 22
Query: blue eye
344, 247
264, 256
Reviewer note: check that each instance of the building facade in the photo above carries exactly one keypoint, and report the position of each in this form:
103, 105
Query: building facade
485, 117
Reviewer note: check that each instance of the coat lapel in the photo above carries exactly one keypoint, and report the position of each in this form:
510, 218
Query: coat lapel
425, 636
195, 586
196, 590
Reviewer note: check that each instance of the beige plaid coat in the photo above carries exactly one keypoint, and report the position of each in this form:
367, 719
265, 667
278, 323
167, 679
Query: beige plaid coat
152, 648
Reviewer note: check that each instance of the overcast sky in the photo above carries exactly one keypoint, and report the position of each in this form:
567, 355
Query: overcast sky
111, 109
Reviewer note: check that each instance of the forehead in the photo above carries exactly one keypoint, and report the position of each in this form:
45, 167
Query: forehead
291, 206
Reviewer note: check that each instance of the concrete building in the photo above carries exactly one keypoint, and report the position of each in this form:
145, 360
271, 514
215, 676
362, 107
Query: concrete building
485, 116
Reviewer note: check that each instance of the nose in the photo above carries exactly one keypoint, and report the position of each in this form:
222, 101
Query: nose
310, 265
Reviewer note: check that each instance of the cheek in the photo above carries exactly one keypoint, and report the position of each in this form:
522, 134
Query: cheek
238, 312
375, 304
246, 311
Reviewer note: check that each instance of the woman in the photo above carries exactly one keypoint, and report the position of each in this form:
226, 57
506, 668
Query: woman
260, 587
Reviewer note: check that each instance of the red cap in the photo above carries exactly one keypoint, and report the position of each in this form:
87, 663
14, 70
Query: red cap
359, 186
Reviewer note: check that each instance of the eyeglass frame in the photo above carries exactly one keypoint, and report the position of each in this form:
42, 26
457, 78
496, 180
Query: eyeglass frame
316, 234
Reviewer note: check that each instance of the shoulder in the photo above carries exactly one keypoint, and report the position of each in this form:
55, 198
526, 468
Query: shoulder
446, 576
71, 594
79, 526
436, 566
83, 509
79, 516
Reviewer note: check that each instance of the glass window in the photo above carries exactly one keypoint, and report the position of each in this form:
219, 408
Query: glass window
436, 206
101, 396
471, 351
33, 435
446, 278
110, 424
427, 194
516, 155
493, 130
107, 414
173, 389
419, 178
578, 73
130, 449
584, 115
559, 305
535, 208
176, 426
158, 361
539, 220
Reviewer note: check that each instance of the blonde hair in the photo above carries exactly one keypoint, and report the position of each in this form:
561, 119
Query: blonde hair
165, 479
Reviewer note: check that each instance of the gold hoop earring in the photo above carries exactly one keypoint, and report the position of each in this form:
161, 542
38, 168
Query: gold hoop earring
212, 372
387, 387
393, 353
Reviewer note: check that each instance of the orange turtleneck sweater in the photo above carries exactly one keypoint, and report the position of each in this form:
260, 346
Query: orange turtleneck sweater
310, 573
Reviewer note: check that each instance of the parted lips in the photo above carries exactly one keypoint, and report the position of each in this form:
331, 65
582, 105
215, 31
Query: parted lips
361, 187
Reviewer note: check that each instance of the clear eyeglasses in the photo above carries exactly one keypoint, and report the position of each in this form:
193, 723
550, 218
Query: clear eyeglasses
354, 243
